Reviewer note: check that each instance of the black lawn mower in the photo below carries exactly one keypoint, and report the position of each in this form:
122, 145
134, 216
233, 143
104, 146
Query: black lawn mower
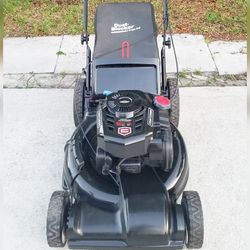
126, 163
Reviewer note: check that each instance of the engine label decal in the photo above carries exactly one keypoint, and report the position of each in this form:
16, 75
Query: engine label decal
124, 131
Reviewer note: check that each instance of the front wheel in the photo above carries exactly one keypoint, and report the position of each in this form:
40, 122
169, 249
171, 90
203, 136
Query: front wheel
56, 219
191, 204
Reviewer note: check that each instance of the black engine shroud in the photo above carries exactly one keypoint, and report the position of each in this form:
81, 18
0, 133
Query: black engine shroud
132, 132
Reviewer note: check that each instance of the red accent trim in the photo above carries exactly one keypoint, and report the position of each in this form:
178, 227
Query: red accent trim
126, 47
120, 124
162, 100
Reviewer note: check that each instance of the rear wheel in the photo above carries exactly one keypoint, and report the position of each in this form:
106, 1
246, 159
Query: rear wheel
78, 101
191, 204
56, 219
175, 101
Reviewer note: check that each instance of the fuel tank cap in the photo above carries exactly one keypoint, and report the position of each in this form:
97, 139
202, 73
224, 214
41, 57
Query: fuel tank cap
162, 102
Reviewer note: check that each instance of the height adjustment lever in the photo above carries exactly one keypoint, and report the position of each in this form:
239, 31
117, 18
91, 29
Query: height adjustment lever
84, 38
167, 43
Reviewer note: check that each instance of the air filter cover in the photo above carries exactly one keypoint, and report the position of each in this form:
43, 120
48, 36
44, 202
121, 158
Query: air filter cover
124, 102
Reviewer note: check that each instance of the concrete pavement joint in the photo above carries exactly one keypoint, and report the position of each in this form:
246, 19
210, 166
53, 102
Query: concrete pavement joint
193, 80
212, 56
28, 80
60, 46
228, 56
67, 81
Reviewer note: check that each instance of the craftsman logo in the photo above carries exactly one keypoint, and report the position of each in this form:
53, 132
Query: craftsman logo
124, 131
124, 28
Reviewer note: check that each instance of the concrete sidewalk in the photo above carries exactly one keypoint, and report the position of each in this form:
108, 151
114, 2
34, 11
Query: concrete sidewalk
58, 61
38, 122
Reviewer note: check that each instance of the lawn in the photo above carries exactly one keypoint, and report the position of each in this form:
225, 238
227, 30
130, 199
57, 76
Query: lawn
215, 19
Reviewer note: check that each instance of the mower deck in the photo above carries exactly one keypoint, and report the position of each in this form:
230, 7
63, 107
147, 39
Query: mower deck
139, 213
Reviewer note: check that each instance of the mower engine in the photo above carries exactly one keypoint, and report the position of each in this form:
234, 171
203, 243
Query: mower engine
133, 131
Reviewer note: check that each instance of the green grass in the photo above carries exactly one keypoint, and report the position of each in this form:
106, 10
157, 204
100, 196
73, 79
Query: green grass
60, 53
215, 19
184, 73
198, 73
231, 18
46, 18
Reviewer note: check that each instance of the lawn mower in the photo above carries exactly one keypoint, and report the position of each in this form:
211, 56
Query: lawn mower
126, 164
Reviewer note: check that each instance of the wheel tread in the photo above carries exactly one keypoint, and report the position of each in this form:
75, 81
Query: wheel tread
194, 218
78, 101
175, 101
55, 219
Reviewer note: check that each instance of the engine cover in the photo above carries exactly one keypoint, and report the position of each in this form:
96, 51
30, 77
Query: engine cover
126, 114
131, 131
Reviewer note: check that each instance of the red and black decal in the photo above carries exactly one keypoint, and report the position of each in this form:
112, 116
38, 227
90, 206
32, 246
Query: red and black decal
126, 49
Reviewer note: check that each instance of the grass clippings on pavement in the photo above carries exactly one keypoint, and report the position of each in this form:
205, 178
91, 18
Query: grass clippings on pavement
215, 19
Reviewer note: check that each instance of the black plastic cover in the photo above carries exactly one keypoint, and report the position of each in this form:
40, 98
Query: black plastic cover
132, 23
